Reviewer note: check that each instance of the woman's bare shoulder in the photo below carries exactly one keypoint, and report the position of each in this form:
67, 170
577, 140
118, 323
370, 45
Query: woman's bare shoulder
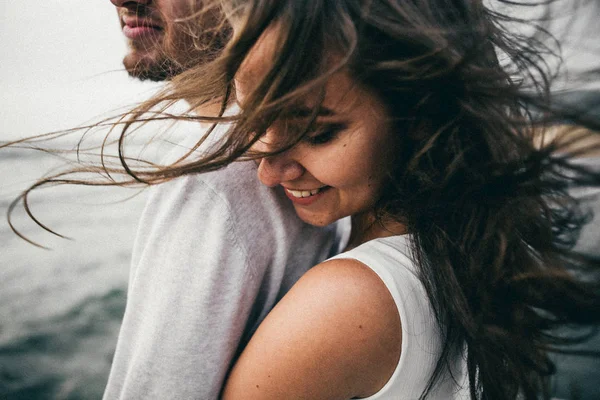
336, 334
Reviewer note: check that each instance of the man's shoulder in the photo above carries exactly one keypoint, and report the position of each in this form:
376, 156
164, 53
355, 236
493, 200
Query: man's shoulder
235, 177
232, 195
234, 185
231, 182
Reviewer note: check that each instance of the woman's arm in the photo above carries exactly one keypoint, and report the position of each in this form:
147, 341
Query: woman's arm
335, 335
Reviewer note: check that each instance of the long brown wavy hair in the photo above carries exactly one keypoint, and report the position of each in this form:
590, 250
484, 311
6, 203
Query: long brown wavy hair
487, 204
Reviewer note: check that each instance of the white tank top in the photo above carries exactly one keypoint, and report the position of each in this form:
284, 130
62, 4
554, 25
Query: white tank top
390, 259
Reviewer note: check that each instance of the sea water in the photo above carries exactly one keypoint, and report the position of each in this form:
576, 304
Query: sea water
60, 309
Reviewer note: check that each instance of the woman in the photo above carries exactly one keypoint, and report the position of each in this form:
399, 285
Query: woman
400, 115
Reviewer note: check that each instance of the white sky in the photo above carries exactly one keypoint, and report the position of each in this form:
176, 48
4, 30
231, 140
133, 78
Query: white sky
60, 64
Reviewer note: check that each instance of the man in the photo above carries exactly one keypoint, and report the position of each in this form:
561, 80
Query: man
214, 252
160, 43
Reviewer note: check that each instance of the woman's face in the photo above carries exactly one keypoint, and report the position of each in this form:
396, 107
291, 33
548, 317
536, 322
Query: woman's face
339, 169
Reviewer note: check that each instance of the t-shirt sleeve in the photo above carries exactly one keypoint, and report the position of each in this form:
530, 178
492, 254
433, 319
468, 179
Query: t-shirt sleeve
189, 297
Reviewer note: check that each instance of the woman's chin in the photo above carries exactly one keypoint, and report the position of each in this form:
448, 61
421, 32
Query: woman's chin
313, 218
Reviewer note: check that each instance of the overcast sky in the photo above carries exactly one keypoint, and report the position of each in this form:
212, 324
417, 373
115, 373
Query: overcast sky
60, 64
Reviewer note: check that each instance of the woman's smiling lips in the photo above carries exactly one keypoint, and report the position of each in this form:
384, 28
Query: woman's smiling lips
305, 197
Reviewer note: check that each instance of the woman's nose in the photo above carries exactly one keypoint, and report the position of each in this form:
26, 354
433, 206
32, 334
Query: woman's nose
273, 170
277, 169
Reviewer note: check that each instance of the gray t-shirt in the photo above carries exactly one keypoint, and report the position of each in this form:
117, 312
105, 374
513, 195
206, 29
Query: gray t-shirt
213, 255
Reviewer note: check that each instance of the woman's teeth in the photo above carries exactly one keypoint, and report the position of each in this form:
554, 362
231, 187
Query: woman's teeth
304, 193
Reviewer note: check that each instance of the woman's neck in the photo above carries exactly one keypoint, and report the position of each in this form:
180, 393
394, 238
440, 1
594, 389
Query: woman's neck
367, 227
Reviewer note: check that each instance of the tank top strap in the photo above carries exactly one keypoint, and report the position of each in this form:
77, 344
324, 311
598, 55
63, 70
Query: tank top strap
391, 260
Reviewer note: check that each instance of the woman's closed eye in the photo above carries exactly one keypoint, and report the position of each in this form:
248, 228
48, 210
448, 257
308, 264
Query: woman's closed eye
325, 134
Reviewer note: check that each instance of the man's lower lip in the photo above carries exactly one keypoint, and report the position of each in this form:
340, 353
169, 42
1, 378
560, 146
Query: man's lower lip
139, 32
305, 201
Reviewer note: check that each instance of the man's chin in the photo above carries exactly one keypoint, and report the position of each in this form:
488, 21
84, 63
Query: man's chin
149, 67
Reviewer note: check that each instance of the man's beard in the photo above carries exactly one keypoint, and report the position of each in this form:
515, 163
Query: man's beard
164, 55
173, 53
156, 66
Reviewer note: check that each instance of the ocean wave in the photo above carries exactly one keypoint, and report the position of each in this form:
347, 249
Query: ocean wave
64, 357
